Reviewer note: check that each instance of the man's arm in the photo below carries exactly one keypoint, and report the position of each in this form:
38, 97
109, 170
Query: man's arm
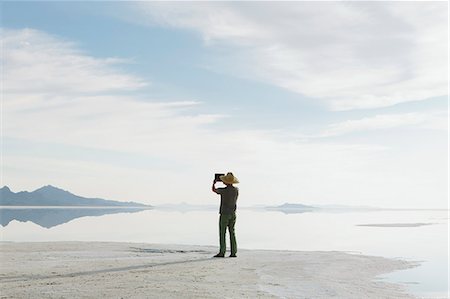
214, 187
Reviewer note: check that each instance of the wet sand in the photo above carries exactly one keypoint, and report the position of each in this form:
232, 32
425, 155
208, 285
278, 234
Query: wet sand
132, 270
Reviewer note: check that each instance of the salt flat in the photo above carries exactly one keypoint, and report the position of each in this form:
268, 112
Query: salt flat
135, 270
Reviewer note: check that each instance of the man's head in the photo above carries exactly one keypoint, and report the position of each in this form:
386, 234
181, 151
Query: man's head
229, 179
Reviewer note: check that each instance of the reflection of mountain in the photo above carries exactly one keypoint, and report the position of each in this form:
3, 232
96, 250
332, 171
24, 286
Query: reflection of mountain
52, 196
49, 217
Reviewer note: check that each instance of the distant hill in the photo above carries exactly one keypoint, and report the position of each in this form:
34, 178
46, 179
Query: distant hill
289, 208
348, 208
292, 208
183, 206
52, 196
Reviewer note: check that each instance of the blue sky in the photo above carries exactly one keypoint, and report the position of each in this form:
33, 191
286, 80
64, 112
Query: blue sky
306, 102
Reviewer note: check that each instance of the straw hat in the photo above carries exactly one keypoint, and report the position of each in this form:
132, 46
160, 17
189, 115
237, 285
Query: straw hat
229, 178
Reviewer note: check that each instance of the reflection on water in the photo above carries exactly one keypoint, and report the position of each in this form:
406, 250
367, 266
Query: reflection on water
393, 234
50, 217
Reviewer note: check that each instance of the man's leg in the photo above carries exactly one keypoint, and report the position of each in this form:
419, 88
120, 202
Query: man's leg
223, 220
233, 243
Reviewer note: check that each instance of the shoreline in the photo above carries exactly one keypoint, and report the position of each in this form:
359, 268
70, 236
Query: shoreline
136, 270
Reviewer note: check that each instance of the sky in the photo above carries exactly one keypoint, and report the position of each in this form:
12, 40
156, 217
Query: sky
305, 102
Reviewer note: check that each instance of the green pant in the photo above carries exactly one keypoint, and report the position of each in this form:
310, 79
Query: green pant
227, 220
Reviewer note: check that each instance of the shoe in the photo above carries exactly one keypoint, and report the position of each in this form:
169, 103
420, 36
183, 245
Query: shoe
219, 255
233, 255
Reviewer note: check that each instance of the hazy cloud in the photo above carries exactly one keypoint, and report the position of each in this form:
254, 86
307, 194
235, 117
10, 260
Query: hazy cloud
349, 55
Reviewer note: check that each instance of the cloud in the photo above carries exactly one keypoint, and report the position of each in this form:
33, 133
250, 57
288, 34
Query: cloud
45, 63
349, 55
56, 93
432, 120
85, 108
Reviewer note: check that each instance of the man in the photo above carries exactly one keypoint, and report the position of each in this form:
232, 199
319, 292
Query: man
228, 198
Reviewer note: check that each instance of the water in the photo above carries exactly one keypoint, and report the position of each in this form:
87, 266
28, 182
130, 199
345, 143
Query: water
422, 237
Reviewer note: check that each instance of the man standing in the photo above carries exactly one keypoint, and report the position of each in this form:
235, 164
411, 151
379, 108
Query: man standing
228, 198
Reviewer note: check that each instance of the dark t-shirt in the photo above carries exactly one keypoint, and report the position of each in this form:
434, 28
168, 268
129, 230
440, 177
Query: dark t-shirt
228, 198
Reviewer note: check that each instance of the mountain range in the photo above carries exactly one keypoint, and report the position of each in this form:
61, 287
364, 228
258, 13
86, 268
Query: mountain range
53, 196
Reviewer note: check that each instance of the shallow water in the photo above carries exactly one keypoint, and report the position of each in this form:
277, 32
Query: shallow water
410, 235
